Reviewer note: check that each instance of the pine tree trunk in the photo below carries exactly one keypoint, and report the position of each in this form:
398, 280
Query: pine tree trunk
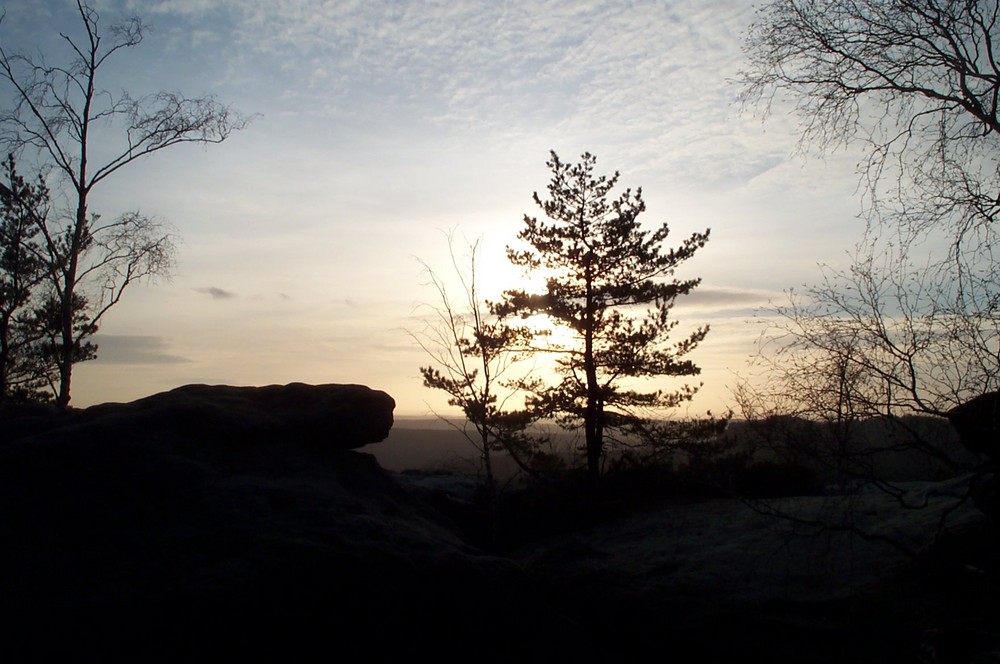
594, 430
592, 413
593, 457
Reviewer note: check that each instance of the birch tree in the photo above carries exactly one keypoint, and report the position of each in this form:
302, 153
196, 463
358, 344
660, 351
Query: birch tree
56, 108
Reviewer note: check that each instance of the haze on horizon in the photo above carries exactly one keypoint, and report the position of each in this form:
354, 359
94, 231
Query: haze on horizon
380, 126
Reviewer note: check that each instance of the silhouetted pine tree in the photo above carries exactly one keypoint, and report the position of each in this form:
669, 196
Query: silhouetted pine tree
22, 270
611, 284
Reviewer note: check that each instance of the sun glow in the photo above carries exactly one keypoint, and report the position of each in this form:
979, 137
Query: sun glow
550, 335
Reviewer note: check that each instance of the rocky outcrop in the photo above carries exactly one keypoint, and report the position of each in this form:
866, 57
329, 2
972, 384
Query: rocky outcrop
224, 523
339, 416
978, 424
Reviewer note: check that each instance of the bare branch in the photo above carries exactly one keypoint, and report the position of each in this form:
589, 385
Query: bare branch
55, 108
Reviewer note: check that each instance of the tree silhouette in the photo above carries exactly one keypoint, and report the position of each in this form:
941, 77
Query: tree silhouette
22, 205
477, 359
912, 326
610, 284
55, 109
916, 83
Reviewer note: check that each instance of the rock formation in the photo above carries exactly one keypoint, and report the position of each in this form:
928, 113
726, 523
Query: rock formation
337, 416
978, 424
226, 523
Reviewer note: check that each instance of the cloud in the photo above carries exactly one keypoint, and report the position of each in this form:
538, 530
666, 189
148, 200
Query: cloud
724, 302
134, 349
217, 293
647, 79
725, 297
620, 61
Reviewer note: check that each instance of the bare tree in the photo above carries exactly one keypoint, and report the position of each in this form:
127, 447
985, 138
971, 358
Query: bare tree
846, 374
888, 336
477, 357
911, 327
56, 107
916, 82
111, 257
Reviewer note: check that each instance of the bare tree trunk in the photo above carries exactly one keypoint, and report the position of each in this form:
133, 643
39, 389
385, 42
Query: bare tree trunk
66, 352
491, 485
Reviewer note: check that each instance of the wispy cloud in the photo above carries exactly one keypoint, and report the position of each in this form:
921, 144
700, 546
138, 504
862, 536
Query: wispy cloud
217, 293
135, 349
723, 302
649, 75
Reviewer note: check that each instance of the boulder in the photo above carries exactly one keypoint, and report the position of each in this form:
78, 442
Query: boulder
978, 424
341, 416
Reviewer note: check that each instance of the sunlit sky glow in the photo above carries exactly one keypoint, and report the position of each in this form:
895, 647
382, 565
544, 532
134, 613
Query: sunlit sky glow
379, 125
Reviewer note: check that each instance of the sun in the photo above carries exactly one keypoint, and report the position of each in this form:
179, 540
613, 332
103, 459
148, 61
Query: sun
552, 335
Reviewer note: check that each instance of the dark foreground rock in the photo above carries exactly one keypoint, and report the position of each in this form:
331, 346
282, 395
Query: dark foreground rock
712, 581
225, 524
978, 424
339, 416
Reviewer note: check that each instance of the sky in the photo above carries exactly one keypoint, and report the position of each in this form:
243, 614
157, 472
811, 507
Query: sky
379, 126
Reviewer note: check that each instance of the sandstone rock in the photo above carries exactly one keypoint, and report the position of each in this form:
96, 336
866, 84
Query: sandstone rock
341, 416
223, 524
